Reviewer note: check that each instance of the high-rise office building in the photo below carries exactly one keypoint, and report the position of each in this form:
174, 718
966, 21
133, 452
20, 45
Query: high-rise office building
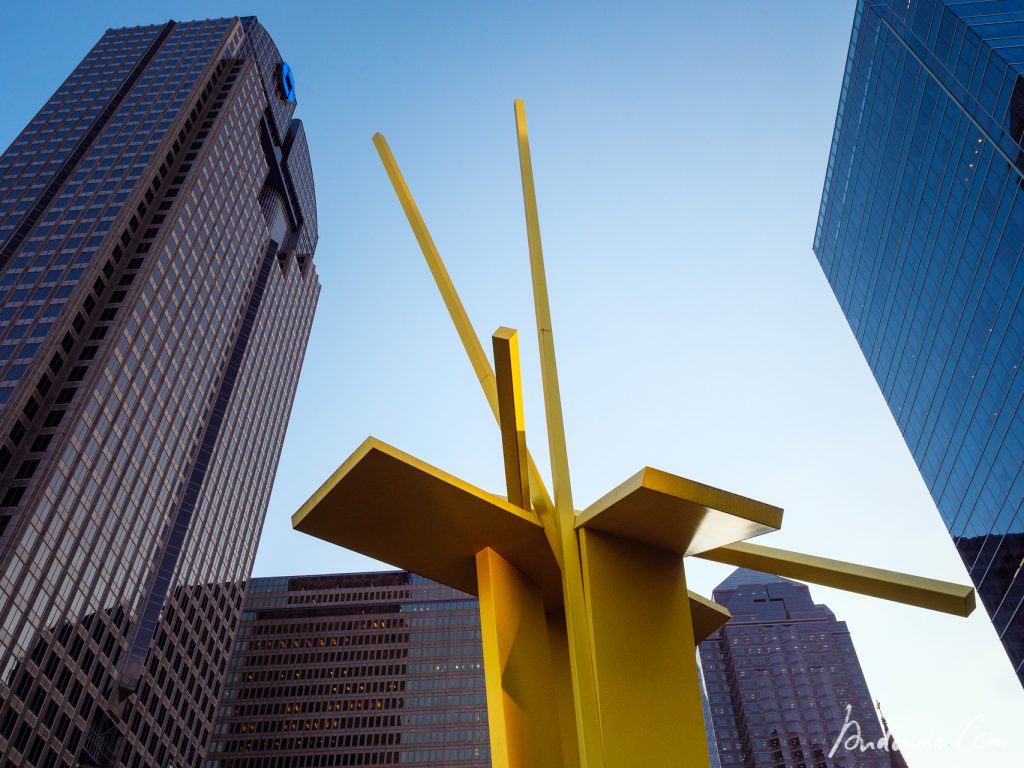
157, 229
354, 669
920, 234
378, 668
713, 758
783, 680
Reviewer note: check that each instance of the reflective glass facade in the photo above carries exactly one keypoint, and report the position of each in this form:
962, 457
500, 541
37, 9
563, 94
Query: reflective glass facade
157, 230
780, 676
354, 669
920, 234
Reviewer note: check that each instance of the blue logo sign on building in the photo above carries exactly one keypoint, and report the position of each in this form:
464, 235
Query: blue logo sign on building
287, 82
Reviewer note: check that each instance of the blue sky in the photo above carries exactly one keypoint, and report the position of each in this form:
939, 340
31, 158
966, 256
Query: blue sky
679, 151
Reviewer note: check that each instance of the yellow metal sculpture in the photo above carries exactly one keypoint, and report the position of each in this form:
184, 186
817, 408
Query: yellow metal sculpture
588, 628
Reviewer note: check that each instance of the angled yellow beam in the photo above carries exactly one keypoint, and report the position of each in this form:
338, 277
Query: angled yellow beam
510, 415
863, 579
470, 341
681, 516
581, 652
545, 336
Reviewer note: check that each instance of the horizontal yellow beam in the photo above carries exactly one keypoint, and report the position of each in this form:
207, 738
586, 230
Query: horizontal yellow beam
935, 595
398, 509
706, 616
681, 516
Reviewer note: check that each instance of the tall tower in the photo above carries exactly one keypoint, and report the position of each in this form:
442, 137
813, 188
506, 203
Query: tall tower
157, 230
780, 677
920, 234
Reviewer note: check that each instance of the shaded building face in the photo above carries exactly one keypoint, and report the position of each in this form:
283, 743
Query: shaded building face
157, 229
783, 681
920, 234
354, 669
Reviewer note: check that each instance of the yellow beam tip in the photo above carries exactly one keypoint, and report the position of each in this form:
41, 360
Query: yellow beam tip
504, 333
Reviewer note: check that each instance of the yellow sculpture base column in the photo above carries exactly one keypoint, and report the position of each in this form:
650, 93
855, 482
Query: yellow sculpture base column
642, 634
522, 712
561, 688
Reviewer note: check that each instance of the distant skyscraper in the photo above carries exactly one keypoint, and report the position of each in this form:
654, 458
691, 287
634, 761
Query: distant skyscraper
780, 676
157, 228
712, 742
354, 669
895, 755
920, 234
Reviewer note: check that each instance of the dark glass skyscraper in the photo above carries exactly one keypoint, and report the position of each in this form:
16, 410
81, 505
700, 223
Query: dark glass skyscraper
780, 677
157, 229
920, 234
354, 669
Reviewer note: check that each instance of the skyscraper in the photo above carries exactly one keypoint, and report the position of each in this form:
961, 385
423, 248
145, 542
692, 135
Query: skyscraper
344, 669
713, 758
920, 234
157, 229
354, 669
783, 680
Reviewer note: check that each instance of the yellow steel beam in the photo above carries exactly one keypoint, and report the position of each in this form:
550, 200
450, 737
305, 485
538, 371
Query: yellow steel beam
510, 415
560, 688
641, 627
863, 579
581, 655
545, 336
392, 507
522, 715
470, 341
706, 616
679, 515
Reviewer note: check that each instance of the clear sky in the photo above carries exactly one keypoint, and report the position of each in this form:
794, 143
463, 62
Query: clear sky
679, 151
